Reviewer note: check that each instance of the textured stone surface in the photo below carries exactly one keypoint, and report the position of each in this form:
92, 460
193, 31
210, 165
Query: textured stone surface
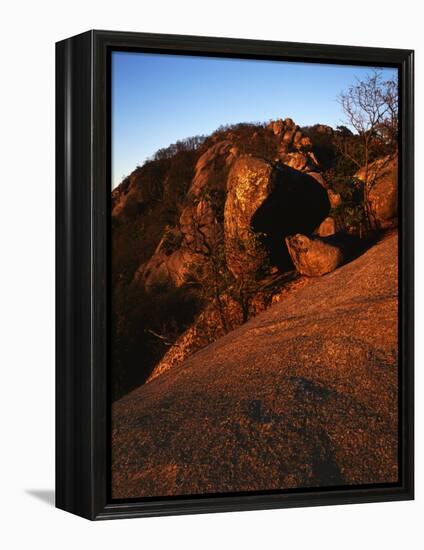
383, 195
169, 266
199, 226
271, 200
212, 168
313, 256
250, 183
327, 227
303, 395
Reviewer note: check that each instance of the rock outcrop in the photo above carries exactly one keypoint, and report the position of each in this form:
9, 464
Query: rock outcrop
303, 395
383, 194
295, 148
208, 219
171, 264
129, 199
212, 168
264, 201
250, 183
179, 256
199, 226
270, 200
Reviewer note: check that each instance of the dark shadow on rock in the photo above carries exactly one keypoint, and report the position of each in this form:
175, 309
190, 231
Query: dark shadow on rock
351, 245
325, 469
257, 413
298, 204
313, 396
45, 495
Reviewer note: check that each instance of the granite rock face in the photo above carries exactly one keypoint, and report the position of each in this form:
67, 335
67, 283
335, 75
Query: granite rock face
212, 167
272, 201
171, 264
295, 148
383, 194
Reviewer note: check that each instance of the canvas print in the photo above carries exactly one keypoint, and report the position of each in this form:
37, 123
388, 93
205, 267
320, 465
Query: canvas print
253, 276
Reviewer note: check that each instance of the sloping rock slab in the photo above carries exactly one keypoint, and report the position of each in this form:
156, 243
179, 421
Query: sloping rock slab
303, 395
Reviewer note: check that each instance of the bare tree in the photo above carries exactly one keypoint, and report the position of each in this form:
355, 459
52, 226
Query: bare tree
253, 261
217, 282
388, 128
207, 242
371, 110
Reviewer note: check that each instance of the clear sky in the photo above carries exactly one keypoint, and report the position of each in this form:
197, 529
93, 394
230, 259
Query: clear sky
158, 99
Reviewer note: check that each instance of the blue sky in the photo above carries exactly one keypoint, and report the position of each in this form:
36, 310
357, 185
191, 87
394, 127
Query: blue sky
158, 99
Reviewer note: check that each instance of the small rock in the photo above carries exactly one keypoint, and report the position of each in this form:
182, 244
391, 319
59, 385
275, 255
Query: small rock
312, 256
327, 227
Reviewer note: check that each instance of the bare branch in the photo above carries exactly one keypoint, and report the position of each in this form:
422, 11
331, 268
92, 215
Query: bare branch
162, 338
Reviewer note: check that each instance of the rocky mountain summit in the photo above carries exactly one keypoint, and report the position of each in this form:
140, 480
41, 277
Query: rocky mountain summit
205, 237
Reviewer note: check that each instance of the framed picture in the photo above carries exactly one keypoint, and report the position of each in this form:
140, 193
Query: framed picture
234, 274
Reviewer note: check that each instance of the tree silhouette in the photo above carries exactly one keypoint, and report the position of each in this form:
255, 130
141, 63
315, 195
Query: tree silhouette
371, 110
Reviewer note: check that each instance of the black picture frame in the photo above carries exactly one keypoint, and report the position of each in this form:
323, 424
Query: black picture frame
82, 237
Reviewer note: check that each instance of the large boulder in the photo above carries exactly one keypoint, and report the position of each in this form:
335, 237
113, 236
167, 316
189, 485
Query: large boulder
313, 256
270, 201
383, 194
250, 183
